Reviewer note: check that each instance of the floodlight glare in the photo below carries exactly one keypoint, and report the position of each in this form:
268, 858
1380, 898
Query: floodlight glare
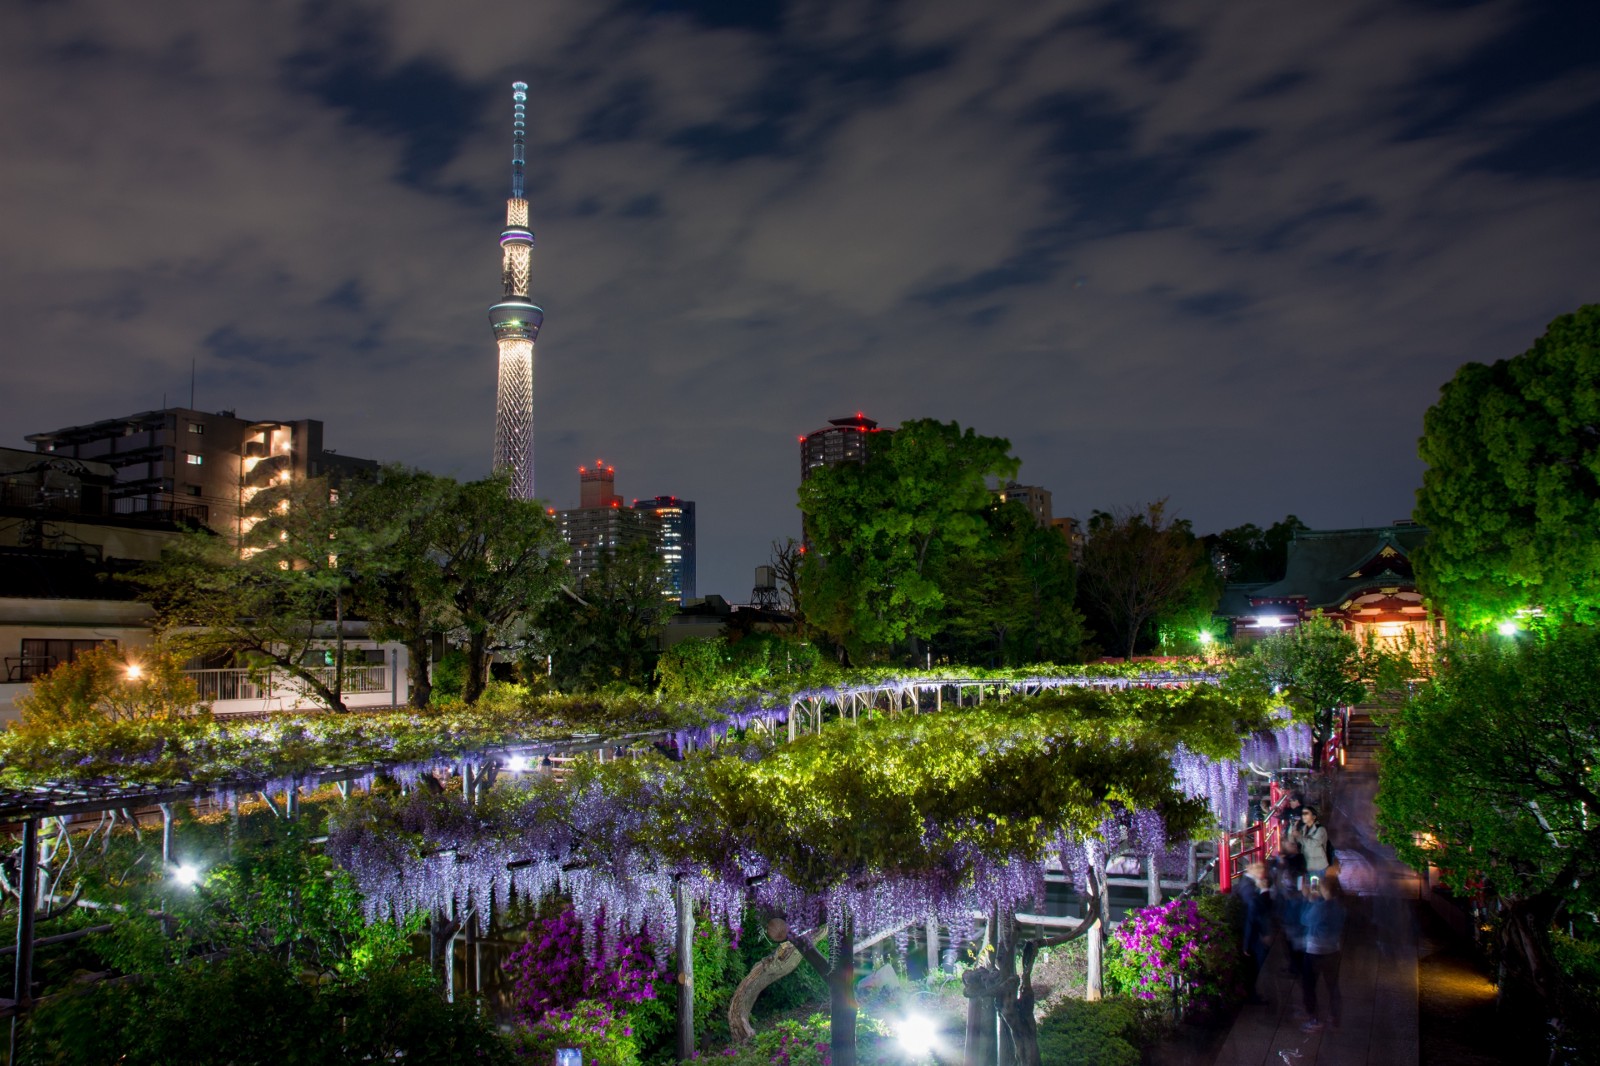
134, 671
918, 1035
1507, 628
516, 764
1205, 637
186, 874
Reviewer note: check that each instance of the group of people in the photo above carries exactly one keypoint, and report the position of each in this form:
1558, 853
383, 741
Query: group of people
1295, 900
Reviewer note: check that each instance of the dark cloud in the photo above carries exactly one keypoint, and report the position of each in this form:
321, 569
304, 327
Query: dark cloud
1219, 250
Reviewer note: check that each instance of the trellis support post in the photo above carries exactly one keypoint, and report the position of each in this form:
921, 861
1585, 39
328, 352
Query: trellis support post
166, 834
1153, 884
685, 949
27, 904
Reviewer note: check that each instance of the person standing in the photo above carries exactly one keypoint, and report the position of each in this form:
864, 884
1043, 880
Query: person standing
1288, 903
1252, 890
1312, 837
1324, 931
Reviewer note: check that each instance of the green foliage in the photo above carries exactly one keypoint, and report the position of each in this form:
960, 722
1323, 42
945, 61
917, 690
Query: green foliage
1249, 553
878, 528
253, 1010
792, 1042
1103, 1033
591, 1026
449, 677
719, 966
1010, 597
610, 638
107, 684
1319, 666
1491, 774
1140, 566
802, 986
1510, 496
719, 667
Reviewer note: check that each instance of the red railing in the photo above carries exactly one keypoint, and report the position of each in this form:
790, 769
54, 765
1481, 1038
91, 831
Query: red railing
1254, 843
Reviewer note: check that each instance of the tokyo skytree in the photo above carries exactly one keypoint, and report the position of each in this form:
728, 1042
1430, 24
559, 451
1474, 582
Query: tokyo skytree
516, 321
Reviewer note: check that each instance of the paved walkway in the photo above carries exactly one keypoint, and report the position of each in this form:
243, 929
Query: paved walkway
1379, 970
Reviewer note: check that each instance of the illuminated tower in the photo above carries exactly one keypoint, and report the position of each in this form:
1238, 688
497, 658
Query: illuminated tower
516, 321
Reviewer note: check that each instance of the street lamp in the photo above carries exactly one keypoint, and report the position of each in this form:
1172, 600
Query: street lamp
133, 672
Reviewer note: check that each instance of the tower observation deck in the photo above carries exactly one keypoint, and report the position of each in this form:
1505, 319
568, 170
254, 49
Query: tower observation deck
516, 320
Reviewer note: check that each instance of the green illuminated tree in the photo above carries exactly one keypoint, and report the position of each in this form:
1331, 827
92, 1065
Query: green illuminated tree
1511, 493
400, 587
608, 632
877, 529
1320, 667
1492, 774
501, 560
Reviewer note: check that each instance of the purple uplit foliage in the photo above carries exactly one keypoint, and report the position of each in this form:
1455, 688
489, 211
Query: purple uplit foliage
551, 971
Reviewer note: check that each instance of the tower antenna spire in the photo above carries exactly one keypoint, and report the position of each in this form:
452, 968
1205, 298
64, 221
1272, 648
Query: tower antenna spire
519, 136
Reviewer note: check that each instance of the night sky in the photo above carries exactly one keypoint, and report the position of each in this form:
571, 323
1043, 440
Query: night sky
1223, 252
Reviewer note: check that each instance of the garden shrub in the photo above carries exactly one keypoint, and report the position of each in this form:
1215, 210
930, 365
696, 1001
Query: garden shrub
449, 676
551, 971
253, 1010
595, 1028
718, 969
1189, 941
95, 687
1103, 1033
795, 1043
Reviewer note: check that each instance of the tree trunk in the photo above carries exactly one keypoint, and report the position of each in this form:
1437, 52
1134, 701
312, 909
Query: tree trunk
762, 975
477, 665
1531, 973
979, 985
419, 650
839, 973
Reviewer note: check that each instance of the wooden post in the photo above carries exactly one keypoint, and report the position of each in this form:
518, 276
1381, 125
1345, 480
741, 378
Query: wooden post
794, 709
931, 933
291, 803
27, 904
1152, 894
938, 698
685, 949
166, 834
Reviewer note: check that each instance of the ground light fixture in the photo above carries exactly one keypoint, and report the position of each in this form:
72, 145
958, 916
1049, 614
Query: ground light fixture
918, 1035
1205, 637
1508, 628
517, 764
186, 874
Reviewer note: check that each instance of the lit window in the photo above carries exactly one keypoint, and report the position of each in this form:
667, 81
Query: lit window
196, 460
196, 427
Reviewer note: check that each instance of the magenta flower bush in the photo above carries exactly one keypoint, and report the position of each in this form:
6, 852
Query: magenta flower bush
1183, 944
552, 972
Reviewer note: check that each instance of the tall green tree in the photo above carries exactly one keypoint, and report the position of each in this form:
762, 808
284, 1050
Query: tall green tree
609, 630
1140, 565
501, 560
399, 586
1492, 774
269, 599
876, 529
1320, 667
1511, 493
1010, 597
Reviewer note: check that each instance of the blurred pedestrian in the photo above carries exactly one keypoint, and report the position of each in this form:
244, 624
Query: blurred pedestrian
1312, 837
1288, 903
1253, 893
1324, 932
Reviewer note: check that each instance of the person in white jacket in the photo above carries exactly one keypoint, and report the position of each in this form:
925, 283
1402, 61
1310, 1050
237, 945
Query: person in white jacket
1313, 840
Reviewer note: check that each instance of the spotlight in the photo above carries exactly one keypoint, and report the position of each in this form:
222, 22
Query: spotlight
186, 874
1507, 628
516, 764
918, 1035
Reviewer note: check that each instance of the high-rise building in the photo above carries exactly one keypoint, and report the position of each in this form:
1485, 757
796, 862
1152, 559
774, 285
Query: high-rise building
600, 524
516, 321
843, 440
1034, 498
675, 529
196, 465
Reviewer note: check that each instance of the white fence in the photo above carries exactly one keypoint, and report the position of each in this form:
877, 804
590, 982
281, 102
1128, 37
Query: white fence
240, 689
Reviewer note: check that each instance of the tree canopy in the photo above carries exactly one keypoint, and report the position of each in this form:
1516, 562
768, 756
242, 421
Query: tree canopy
1249, 553
877, 527
1140, 565
1492, 774
1511, 493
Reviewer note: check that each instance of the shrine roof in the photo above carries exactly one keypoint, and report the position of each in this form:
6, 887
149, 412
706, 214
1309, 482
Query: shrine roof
1326, 566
